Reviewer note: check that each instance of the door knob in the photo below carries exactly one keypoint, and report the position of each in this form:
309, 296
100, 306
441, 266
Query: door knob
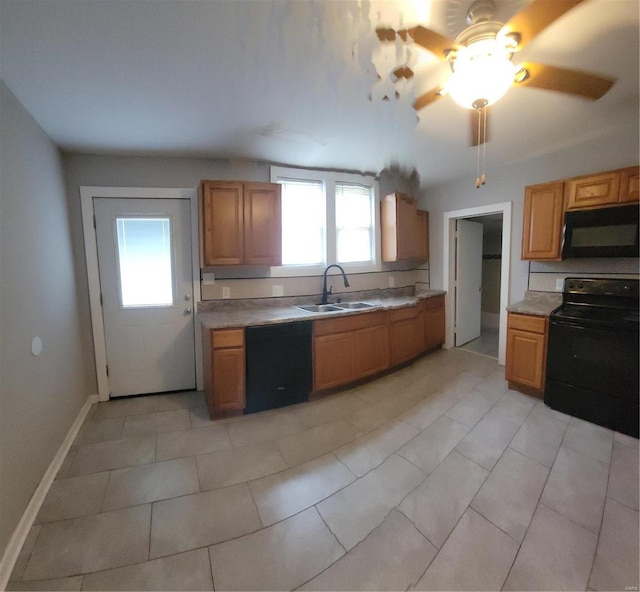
187, 297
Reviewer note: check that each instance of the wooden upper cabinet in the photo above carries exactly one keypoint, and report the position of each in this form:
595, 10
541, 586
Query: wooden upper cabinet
240, 223
262, 224
422, 252
399, 220
593, 191
629, 185
542, 221
221, 223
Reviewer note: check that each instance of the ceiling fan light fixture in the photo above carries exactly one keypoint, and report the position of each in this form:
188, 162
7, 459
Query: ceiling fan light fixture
482, 72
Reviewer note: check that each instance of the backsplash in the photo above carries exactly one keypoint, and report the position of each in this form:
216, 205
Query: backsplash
270, 287
544, 276
251, 303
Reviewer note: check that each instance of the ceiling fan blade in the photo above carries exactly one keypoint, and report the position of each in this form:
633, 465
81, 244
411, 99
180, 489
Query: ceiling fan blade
427, 98
479, 134
433, 41
573, 82
535, 17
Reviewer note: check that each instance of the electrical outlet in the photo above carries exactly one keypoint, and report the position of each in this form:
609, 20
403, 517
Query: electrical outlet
277, 291
226, 292
392, 281
559, 285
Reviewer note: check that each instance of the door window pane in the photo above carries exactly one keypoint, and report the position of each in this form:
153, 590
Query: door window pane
354, 223
303, 223
144, 255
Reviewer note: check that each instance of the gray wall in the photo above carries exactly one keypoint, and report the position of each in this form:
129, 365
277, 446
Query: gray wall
39, 396
610, 148
123, 171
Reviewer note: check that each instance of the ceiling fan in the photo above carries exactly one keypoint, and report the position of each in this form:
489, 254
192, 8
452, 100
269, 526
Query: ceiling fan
480, 59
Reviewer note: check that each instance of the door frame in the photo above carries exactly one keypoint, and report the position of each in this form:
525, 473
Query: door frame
448, 269
87, 193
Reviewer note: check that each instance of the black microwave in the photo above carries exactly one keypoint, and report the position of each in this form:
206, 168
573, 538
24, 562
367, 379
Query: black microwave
604, 232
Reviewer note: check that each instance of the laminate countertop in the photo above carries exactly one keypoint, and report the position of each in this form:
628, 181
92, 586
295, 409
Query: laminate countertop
537, 303
245, 316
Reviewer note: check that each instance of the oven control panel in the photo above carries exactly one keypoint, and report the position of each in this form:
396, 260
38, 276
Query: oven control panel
622, 288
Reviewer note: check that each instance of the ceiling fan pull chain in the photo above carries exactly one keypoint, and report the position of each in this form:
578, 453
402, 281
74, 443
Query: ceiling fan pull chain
478, 182
483, 178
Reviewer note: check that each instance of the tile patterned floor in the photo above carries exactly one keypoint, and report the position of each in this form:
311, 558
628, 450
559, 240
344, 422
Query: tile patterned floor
435, 477
486, 344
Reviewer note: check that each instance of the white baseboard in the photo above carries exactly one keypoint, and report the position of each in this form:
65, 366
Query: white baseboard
19, 536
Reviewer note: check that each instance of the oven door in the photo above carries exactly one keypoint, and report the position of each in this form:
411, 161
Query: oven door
592, 373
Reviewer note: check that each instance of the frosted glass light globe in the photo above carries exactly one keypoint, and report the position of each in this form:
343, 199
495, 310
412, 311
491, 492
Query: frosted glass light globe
482, 74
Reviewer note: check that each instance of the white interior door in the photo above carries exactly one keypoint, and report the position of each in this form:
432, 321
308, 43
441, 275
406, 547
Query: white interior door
144, 258
468, 281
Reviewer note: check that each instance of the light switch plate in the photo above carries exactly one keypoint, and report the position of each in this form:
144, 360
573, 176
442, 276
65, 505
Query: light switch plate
392, 281
277, 291
226, 292
559, 285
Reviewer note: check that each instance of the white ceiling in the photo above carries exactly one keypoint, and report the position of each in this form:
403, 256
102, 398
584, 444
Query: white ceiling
289, 81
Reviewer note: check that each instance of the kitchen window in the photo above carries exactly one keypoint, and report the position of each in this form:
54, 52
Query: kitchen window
327, 217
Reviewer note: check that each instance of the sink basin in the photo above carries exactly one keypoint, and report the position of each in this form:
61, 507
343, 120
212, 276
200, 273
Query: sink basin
354, 305
319, 308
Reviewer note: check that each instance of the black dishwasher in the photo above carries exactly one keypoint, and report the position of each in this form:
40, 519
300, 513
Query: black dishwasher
279, 370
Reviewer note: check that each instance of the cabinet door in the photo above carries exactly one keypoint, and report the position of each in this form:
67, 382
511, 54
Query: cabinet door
593, 191
525, 358
629, 185
542, 221
221, 223
407, 334
262, 224
228, 378
407, 226
371, 350
422, 249
434, 323
333, 360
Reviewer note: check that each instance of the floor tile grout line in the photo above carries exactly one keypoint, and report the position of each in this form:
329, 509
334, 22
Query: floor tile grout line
604, 506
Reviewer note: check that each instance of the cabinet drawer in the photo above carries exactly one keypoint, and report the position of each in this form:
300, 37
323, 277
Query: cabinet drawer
407, 312
223, 338
529, 323
593, 191
434, 302
343, 324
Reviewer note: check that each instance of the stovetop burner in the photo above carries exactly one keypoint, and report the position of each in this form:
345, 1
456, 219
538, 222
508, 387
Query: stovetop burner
599, 302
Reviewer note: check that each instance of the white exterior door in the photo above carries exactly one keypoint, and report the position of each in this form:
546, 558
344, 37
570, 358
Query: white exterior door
468, 281
144, 258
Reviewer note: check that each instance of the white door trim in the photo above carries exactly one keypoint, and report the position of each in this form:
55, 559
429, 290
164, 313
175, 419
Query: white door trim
87, 194
448, 262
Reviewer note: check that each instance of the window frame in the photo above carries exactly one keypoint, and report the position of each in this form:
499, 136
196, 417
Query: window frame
329, 180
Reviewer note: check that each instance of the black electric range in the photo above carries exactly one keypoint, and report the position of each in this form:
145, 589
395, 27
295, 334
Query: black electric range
592, 356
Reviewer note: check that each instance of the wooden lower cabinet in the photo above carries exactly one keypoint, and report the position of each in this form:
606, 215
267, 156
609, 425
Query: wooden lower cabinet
346, 349
434, 322
333, 357
224, 370
406, 333
372, 349
526, 352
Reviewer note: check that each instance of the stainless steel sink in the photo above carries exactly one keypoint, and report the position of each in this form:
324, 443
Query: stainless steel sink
354, 305
319, 308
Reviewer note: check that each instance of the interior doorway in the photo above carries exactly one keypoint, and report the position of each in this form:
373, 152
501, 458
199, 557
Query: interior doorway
493, 261
487, 298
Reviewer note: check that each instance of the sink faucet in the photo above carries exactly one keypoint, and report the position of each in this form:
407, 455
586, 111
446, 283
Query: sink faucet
326, 293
